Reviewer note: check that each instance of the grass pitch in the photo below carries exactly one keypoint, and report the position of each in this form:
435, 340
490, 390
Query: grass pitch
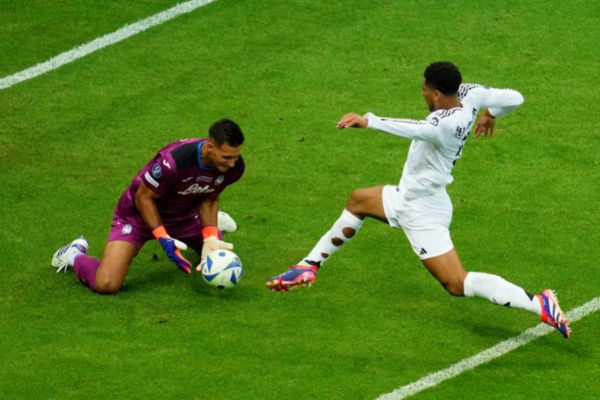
525, 202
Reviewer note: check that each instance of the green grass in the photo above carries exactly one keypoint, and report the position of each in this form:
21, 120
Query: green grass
525, 202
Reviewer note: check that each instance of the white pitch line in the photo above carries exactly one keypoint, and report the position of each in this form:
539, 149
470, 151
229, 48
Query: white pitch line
498, 350
101, 42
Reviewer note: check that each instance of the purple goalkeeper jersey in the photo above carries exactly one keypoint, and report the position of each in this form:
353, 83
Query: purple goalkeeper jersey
182, 181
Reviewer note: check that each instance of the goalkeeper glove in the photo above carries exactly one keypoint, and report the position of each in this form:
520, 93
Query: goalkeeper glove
211, 242
172, 247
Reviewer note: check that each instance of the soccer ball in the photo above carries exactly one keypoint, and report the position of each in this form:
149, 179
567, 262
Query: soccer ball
222, 269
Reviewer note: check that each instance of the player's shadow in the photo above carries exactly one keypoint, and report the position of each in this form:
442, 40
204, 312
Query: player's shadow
153, 271
200, 288
158, 272
489, 331
150, 279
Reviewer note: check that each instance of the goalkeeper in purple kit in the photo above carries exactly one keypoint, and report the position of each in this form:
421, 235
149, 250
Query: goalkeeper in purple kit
174, 199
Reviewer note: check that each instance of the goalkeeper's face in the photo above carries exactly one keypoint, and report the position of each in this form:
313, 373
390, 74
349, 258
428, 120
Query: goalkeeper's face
221, 157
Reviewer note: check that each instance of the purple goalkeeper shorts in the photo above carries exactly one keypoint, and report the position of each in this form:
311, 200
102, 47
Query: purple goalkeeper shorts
136, 232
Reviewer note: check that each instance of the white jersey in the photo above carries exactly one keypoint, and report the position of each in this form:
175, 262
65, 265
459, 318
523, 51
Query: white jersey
437, 141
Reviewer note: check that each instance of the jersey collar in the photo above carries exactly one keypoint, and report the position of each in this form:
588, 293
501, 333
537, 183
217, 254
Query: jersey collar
200, 162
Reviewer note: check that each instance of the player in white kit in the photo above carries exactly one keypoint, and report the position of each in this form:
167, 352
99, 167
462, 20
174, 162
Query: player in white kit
419, 204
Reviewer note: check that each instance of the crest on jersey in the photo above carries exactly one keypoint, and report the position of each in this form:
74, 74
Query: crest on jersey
219, 180
156, 171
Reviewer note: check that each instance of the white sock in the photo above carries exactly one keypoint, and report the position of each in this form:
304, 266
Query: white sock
342, 231
500, 291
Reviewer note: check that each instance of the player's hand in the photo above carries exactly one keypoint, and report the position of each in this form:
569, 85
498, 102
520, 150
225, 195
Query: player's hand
485, 125
212, 243
172, 247
352, 120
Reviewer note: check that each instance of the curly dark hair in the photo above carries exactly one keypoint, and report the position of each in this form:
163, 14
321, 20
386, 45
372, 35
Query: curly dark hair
443, 76
226, 131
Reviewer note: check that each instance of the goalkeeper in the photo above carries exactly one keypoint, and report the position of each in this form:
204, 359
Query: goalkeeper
174, 199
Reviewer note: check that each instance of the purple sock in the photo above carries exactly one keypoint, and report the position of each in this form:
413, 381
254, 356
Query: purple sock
85, 268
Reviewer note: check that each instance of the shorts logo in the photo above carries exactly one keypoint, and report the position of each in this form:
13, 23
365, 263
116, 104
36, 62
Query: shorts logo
156, 171
126, 229
423, 252
219, 180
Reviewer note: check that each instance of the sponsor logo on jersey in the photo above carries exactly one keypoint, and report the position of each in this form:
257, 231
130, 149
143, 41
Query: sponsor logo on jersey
187, 179
156, 171
219, 180
166, 164
197, 189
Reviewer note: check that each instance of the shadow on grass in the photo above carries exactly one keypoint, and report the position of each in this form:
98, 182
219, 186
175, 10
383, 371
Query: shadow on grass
164, 279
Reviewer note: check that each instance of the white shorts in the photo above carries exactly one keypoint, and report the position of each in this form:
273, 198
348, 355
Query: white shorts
424, 220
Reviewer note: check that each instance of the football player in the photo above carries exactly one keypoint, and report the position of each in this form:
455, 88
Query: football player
174, 199
419, 204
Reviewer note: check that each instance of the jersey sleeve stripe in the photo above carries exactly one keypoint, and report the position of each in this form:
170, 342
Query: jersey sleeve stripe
465, 88
405, 121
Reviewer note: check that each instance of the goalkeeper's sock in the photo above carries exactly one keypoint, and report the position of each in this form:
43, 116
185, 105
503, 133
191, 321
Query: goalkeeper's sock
85, 268
500, 291
342, 231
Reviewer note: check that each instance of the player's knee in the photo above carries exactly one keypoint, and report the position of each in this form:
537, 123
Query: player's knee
106, 285
454, 287
355, 201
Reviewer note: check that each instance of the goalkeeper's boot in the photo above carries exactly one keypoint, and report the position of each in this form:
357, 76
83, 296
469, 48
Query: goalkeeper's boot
552, 314
297, 275
60, 259
225, 223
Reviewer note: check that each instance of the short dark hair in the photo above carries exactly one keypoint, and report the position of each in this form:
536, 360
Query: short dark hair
443, 76
226, 131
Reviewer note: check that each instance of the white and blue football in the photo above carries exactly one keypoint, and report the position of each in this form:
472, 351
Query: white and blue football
222, 269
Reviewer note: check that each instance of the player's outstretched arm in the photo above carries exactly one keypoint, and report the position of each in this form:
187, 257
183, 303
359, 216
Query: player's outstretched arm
352, 120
